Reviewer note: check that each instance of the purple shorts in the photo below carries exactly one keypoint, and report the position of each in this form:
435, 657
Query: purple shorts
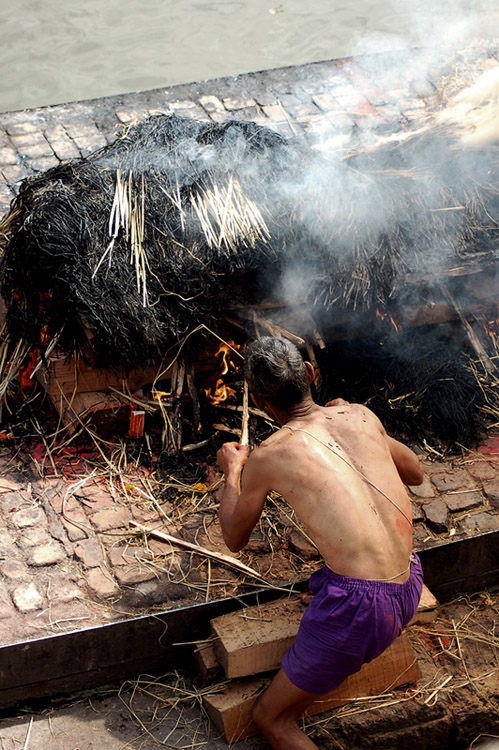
349, 621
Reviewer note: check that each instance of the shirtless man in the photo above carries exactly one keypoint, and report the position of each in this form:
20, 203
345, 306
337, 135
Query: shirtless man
344, 477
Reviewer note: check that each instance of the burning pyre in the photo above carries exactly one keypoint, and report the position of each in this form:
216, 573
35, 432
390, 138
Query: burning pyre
123, 255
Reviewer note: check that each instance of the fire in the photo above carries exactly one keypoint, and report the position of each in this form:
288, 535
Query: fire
385, 316
160, 395
220, 391
491, 328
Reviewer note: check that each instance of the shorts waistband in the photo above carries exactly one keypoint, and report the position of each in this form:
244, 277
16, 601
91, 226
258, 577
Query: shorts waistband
369, 583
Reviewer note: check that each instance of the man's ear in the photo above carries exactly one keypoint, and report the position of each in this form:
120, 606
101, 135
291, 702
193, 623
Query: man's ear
310, 371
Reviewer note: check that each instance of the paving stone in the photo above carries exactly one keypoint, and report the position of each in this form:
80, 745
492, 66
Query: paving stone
66, 149
125, 555
301, 546
94, 498
423, 490
481, 470
490, 448
8, 484
183, 104
27, 598
481, 522
100, 584
34, 516
33, 537
32, 146
64, 591
131, 116
437, 516
491, 490
417, 513
6, 608
275, 113
14, 174
42, 163
10, 503
89, 552
20, 127
238, 102
70, 615
457, 479
46, 554
212, 104
73, 524
7, 548
111, 518
8, 156
14, 570
131, 574
461, 501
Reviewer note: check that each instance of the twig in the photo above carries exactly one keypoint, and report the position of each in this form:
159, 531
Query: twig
28, 733
197, 548
245, 420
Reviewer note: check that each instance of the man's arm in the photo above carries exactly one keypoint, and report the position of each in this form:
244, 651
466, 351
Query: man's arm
406, 461
242, 502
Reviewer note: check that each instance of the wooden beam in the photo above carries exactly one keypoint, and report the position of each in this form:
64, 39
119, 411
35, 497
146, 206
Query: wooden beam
255, 639
230, 710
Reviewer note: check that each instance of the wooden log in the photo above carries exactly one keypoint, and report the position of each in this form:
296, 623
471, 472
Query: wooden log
427, 608
207, 666
230, 710
254, 639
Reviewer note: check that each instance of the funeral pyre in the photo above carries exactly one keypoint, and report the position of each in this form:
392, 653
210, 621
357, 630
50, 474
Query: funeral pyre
369, 256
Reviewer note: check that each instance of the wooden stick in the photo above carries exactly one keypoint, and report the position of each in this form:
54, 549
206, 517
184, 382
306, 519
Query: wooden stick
193, 393
473, 338
245, 420
197, 548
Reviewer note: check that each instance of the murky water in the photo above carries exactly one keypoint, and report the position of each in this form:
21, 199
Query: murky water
63, 50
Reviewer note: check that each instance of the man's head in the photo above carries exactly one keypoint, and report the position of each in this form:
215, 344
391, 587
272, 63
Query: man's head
276, 372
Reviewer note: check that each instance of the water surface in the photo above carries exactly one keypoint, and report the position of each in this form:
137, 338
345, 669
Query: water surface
64, 50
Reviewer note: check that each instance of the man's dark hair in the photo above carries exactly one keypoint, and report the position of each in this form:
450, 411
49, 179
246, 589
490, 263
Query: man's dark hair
276, 372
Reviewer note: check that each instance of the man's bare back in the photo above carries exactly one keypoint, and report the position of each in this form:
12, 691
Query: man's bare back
344, 477
316, 463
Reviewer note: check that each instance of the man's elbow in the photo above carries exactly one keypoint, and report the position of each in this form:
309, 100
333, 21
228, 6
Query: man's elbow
234, 543
414, 476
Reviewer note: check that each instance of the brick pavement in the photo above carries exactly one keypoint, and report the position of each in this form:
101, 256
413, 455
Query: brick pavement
67, 560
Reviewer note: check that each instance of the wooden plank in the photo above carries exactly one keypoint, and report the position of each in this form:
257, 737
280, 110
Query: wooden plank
427, 608
68, 377
255, 639
230, 710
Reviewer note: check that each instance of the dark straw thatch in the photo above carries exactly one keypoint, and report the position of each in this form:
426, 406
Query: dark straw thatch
118, 256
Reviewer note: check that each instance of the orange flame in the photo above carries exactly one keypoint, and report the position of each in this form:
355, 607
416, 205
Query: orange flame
160, 395
385, 316
221, 392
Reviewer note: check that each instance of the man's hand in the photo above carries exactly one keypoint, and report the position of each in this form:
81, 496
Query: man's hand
231, 457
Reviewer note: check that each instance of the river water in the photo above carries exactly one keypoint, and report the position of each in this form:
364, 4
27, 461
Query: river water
64, 50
